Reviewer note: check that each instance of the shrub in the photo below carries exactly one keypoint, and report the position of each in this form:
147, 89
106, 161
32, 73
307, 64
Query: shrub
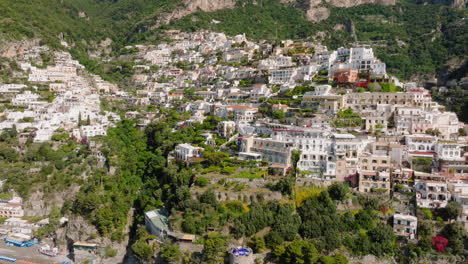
110, 252
201, 181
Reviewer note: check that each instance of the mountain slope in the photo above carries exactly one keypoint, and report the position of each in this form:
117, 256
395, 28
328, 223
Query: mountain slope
43, 19
413, 39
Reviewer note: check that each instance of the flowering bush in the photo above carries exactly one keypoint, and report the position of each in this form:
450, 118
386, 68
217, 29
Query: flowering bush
439, 243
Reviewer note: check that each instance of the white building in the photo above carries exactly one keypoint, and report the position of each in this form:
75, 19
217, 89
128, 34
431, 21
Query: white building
420, 143
448, 150
275, 62
186, 152
431, 194
282, 76
91, 131
226, 128
240, 112
25, 98
405, 225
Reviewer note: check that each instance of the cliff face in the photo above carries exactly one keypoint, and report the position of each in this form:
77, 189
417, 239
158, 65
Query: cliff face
315, 10
192, 6
459, 3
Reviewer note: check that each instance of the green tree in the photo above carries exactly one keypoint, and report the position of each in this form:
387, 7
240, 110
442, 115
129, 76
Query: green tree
143, 250
7, 153
295, 157
285, 185
383, 240
214, 157
273, 239
171, 253
338, 191
214, 248
208, 197
54, 224
296, 252
433, 132
422, 164
456, 236
319, 216
462, 132
453, 210
278, 114
258, 244
201, 181
340, 259
326, 260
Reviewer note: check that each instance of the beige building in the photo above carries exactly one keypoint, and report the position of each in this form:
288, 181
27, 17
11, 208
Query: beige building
374, 162
374, 181
363, 100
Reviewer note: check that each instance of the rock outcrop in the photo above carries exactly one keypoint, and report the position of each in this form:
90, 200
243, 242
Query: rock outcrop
459, 3
315, 10
192, 6
351, 3
317, 14
16, 48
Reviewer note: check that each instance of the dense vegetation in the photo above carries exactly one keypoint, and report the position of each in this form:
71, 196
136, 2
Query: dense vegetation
44, 166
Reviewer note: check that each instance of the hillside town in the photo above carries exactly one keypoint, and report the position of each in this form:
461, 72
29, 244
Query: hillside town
276, 110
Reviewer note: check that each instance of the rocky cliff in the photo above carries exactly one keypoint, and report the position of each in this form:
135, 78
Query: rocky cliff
459, 3
192, 6
315, 10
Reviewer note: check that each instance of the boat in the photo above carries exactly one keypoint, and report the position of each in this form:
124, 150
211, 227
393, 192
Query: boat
48, 251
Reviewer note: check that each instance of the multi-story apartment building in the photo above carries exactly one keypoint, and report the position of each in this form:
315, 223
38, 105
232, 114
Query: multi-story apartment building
273, 150
325, 101
92, 131
374, 181
368, 161
402, 176
405, 225
11, 208
364, 100
186, 152
25, 98
448, 150
431, 194
420, 143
